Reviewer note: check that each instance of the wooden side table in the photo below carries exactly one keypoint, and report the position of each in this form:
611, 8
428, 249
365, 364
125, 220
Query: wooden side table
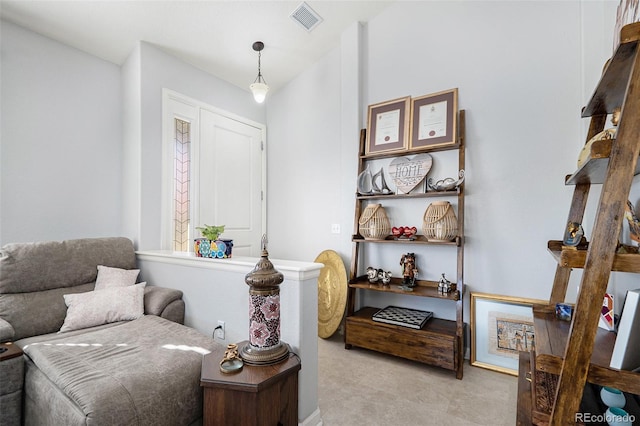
255, 396
11, 384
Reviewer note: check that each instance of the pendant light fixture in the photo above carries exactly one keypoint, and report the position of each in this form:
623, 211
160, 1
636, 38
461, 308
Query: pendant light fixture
259, 87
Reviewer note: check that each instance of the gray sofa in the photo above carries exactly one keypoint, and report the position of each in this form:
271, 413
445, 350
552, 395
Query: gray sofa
144, 371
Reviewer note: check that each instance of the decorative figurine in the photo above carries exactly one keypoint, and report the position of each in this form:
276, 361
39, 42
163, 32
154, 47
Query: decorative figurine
444, 285
372, 274
384, 276
447, 184
397, 231
382, 188
409, 271
564, 311
404, 232
365, 182
573, 235
410, 232
231, 362
634, 223
607, 134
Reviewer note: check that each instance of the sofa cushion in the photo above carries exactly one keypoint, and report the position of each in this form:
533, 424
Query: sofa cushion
145, 371
28, 267
40, 312
103, 306
115, 277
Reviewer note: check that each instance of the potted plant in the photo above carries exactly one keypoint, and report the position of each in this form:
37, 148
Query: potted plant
212, 245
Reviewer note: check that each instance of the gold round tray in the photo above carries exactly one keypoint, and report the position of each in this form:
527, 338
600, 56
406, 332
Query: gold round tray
332, 293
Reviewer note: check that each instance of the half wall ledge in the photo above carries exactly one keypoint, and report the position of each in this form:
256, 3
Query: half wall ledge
214, 290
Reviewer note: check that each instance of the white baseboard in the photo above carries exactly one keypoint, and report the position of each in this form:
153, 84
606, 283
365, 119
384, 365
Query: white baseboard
314, 419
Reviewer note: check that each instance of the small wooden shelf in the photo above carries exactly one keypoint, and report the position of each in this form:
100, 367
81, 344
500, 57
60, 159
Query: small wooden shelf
434, 343
428, 194
423, 288
610, 92
417, 151
420, 239
569, 258
594, 169
551, 341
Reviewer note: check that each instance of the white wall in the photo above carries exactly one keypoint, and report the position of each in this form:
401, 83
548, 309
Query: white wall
523, 69
314, 127
304, 177
131, 75
60, 169
518, 81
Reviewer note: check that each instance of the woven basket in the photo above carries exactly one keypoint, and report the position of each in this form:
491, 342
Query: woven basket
374, 223
439, 222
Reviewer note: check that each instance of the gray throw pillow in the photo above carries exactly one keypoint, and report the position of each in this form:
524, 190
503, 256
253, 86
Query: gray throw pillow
103, 306
109, 277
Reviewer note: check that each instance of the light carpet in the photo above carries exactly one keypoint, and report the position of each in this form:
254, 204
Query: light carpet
362, 387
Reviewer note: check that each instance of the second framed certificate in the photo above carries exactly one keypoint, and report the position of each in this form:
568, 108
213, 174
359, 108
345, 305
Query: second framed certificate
388, 126
434, 120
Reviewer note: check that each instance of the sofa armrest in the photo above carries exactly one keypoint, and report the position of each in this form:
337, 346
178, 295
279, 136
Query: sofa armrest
11, 385
6, 331
164, 302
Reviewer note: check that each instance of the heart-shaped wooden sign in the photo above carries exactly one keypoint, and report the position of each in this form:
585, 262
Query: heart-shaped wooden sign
407, 173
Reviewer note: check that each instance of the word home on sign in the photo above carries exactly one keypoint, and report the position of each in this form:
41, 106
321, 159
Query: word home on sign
409, 173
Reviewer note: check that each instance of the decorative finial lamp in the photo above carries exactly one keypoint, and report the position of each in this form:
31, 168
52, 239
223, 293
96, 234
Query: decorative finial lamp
259, 87
264, 347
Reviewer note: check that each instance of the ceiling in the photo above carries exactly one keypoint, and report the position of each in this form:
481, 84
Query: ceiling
213, 35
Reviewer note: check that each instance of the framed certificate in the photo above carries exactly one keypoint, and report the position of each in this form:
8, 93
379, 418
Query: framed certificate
434, 120
388, 126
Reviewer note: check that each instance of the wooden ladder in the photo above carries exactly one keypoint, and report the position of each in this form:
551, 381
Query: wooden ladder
619, 87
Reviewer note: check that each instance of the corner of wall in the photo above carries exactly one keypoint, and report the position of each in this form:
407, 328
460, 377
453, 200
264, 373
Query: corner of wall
131, 141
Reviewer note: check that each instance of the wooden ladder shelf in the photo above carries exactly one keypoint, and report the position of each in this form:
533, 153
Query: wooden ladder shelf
439, 342
579, 352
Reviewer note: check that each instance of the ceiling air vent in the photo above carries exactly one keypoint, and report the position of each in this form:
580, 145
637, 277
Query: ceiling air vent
306, 16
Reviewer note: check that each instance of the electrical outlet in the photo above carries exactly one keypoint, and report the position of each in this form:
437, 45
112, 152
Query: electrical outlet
335, 228
220, 330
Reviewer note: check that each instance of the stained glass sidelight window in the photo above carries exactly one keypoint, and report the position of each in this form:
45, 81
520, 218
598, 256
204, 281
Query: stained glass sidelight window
181, 185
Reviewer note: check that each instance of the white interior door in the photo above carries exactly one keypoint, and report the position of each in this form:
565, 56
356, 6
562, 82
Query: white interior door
230, 184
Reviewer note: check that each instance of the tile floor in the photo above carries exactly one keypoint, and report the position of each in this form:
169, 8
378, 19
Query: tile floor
361, 387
